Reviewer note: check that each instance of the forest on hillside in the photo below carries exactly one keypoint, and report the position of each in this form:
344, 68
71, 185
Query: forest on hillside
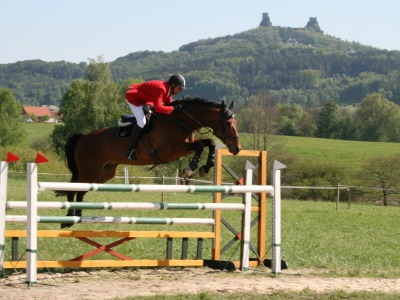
288, 65
97, 101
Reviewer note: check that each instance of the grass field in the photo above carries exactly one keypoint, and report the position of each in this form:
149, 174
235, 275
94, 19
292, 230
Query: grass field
356, 241
305, 295
346, 152
37, 131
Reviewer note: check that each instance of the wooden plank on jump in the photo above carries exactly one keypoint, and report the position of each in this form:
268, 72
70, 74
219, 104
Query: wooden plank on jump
81, 261
255, 153
108, 263
101, 233
252, 263
262, 204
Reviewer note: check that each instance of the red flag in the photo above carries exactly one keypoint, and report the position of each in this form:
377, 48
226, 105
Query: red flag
11, 157
40, 158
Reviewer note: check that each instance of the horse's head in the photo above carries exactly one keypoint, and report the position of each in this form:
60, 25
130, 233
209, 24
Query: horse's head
214, 115
227, 131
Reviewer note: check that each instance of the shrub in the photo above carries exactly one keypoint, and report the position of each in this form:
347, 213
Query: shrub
315, 173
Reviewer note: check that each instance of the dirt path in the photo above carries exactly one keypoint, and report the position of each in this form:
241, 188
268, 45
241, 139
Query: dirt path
146, 282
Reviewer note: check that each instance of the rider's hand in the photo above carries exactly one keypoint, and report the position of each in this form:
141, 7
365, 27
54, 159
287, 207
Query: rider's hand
178, 107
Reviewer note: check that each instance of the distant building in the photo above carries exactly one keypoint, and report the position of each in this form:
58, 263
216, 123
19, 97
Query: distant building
39, 114
265, 22
313, 23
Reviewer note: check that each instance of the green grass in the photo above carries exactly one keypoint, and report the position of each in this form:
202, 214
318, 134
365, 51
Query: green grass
281, 295
351, 153
36, 131
358, 241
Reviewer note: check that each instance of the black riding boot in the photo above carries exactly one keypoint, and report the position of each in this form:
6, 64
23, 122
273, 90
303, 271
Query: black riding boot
131, 152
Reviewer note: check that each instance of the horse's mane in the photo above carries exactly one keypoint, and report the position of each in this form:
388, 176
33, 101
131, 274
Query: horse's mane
195, 100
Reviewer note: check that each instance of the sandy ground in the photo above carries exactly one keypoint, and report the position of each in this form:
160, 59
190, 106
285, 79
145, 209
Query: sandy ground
145, 282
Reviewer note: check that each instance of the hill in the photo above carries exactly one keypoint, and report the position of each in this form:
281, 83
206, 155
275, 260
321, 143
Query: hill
301, 65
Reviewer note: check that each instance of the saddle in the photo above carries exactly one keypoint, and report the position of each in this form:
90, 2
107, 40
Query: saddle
127, 122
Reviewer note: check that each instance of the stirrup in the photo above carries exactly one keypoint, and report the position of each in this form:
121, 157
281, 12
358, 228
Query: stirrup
132, 154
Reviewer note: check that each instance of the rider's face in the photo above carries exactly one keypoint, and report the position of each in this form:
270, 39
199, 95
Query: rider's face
177, 89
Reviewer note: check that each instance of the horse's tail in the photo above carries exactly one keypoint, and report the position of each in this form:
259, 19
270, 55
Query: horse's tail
69, 150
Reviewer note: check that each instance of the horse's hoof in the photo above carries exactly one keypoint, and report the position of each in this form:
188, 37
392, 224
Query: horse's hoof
187, 172
202, 172
65, 225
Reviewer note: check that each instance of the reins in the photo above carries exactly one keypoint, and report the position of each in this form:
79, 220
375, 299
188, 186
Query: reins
208, 129
198, 123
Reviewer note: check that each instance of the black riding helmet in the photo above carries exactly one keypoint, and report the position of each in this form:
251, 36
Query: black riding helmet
177, 79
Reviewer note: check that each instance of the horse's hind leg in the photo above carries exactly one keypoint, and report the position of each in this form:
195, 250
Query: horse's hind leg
109, 171
79, 198
70, 198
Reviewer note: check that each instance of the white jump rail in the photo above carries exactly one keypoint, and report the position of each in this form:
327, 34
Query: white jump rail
96, 187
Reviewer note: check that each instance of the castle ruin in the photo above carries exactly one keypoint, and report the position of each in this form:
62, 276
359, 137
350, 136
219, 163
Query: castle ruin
312, 23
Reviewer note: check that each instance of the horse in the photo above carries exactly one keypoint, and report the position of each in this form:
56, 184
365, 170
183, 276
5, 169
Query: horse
94, 157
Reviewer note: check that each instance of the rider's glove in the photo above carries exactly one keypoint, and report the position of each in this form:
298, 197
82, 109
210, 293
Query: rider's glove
178, 107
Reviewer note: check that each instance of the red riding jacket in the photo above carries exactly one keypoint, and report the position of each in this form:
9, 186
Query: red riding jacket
156, 93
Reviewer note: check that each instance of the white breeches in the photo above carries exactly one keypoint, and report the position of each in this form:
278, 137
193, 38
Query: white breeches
139, 114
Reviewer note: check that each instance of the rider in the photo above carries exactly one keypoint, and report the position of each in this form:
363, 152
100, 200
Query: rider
156, 93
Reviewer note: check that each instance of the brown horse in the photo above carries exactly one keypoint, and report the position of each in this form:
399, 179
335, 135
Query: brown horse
94, 157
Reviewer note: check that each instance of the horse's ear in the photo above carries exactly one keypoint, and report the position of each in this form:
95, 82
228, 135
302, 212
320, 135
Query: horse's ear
231, 106
223, 103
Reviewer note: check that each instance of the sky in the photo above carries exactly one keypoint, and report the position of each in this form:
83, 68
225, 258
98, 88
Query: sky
79, 30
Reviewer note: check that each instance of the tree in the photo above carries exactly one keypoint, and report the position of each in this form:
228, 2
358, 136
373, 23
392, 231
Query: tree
378, 119
328, 121
382, 172
89, 104
293, 120
259, 118
11, 131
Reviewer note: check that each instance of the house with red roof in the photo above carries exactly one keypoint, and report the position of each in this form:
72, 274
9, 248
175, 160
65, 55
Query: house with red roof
38, 113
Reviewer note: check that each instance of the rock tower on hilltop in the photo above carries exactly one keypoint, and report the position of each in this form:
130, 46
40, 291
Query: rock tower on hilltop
265, 22
312, 23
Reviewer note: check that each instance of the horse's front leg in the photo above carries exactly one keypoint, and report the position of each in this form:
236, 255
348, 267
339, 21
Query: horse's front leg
210, 159
194, 163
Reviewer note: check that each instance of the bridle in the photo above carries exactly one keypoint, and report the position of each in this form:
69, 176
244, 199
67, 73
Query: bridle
224, 116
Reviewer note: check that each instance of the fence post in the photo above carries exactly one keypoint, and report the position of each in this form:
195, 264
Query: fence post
3, 199
246, 226
348, 197
276, 218
337, 196
31, 226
